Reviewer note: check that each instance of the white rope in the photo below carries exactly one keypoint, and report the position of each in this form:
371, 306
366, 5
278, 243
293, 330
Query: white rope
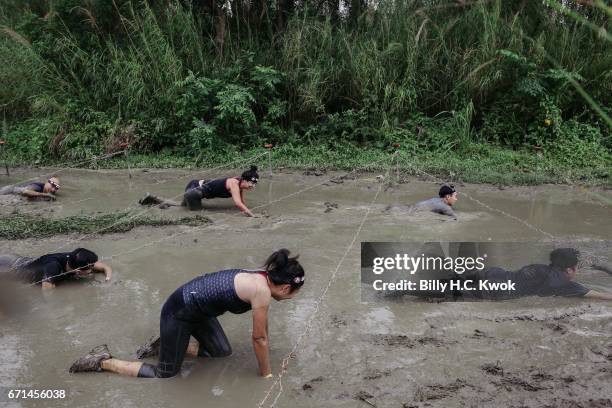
285, 362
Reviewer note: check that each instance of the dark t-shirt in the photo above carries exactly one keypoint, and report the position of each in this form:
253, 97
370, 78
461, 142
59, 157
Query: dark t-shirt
38, 187
436, 205
532, 280
48, 268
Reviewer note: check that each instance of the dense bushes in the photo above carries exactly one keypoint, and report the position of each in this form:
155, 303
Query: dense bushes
184, 77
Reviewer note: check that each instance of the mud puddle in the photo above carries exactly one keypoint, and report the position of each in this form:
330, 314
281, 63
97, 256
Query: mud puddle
402, 352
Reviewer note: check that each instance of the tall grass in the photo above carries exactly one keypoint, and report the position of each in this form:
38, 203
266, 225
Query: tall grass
400, 61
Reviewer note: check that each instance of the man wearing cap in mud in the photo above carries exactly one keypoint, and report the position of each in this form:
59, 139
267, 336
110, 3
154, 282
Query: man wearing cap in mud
34, 191
447, 197
555, 279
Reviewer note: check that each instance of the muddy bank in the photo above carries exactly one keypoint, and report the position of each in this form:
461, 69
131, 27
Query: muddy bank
397, 352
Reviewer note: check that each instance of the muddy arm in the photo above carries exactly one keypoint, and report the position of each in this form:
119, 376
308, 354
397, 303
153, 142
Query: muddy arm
605, 267
36, 194
593, 294
47, 285
237, 197
101, 267
260, 340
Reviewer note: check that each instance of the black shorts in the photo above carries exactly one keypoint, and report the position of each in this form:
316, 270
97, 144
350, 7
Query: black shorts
177, 325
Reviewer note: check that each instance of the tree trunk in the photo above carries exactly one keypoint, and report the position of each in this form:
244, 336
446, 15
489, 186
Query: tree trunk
220, 26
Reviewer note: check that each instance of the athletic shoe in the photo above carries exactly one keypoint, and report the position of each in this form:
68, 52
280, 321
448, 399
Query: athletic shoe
92, 361
149, 349
148, 199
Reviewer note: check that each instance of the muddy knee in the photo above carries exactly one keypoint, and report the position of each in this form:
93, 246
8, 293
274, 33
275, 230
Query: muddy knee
220, 350
160, 371
193, 199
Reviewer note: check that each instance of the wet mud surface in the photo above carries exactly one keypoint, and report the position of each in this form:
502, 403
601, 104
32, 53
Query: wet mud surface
392, 352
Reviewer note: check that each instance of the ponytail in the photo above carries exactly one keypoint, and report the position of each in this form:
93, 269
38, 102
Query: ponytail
283, 269
251, 174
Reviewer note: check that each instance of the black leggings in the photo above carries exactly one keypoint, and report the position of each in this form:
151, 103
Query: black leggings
176, 326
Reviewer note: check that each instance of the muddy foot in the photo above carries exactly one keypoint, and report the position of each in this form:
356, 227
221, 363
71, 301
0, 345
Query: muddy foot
92, 361
148, 199
149, 349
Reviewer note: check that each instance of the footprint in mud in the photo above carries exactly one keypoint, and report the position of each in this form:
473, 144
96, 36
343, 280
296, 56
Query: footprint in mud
307, 386
493, 369
376, 374
510, 381
409, 342
591, 403
479, 334
557, 327
440, 391
329, 207
337, 322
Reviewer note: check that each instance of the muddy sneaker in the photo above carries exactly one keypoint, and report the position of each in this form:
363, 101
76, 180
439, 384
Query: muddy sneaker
92, 361
148, 199
149, 349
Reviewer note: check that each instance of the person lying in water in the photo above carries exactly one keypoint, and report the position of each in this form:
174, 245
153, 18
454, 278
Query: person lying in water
442, 204
554, 279
35, 190
196, 190
192, 310
50, 269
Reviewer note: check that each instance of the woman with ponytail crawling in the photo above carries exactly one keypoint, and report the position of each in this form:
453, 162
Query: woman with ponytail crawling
226, 187
192, 310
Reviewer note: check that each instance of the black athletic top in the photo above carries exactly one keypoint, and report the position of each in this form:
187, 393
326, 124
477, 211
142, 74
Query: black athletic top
216, 188
192, 184
534, 280
213, 294
38, 187
211, 189
48, 268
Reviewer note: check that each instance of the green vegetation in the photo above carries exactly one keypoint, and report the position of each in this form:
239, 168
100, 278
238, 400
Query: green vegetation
24, 226
499, 91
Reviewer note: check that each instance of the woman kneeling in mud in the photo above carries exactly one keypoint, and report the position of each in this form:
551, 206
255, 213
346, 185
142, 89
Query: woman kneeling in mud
192, 310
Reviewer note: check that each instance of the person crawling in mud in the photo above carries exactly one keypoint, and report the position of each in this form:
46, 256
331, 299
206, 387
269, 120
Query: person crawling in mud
443, 204
196, 190
192, 310
555, 279
34, 191
50, 269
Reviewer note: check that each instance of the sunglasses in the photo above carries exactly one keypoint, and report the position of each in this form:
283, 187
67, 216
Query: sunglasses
54, 184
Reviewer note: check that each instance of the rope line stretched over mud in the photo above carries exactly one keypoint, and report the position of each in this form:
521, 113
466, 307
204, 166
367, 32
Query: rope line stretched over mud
256, 207
285, 363
128, 218
142, 212
134, 249
504, 213
76, 163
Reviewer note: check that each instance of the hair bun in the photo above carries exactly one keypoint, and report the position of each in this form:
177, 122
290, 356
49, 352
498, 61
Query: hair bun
253, 168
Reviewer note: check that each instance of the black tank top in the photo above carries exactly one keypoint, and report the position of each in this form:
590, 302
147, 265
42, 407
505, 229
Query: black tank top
213, 294
216, 188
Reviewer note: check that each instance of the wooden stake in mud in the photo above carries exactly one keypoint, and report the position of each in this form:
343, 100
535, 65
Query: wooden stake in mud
269, 147
126, 148
396, 154
2, 142
6, 167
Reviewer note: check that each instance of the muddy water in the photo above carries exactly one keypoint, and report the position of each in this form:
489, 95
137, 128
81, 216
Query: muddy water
391, 352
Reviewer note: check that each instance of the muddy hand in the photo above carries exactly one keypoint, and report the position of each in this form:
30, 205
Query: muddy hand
605, 267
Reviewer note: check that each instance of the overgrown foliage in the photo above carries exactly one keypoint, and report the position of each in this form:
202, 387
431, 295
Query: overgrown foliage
204, 78
19, 226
